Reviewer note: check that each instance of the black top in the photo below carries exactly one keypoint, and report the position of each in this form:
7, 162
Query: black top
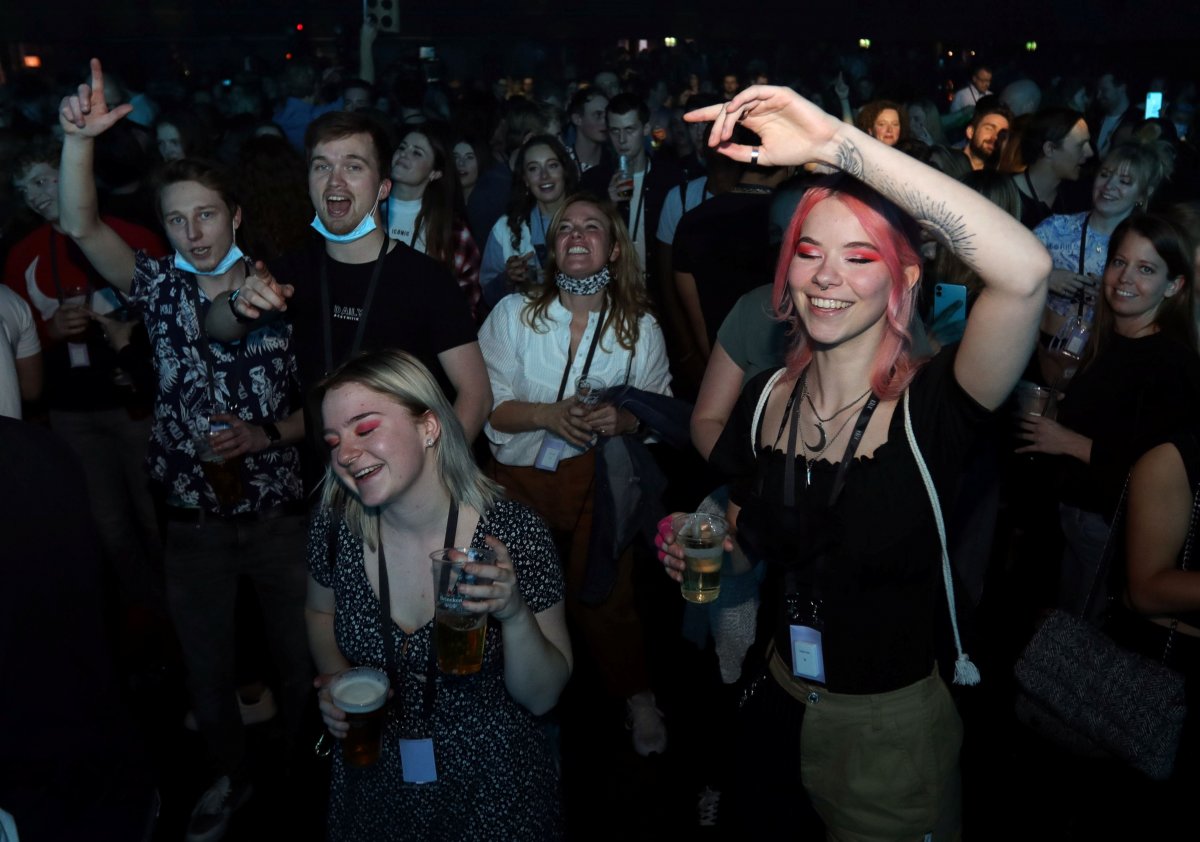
724, 244
1033, 211
1132, 397
418, 307
881, 583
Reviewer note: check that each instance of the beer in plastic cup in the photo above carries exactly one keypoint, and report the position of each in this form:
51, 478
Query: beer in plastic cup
458, 634
224, 475
588, 391
361, 694
1031, 398
702, 537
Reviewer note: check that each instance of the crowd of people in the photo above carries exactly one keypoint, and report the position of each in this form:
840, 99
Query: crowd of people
291, 336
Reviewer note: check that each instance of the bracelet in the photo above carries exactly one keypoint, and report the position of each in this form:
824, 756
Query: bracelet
233, 297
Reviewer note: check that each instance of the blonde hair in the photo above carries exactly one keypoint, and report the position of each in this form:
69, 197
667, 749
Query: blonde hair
401, 377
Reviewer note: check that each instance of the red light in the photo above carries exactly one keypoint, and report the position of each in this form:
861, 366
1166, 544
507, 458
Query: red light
32, 61
299, 27
288, 56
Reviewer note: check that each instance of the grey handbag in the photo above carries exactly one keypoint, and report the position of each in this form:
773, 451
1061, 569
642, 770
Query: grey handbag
1089, 695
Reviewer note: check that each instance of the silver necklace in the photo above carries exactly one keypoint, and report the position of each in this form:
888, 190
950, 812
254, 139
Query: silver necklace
823, 441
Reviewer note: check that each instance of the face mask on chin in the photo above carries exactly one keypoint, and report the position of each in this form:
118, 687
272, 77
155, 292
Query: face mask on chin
365, 226
227, 262
583, 286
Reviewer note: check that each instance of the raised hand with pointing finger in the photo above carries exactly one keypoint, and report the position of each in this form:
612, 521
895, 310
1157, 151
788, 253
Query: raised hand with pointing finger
85, 113
261, 294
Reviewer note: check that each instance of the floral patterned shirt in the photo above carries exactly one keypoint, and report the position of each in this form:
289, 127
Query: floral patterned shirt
256, 378
1061, 234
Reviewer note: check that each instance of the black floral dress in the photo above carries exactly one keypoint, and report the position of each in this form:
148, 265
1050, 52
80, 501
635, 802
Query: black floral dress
496, 774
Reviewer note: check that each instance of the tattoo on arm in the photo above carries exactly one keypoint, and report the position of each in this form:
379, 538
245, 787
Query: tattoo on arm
849, 159
945, 224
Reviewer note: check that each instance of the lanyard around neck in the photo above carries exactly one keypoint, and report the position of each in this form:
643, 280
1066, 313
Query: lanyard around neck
587, 362
791, 417
1083, 242
393, 665
361, 331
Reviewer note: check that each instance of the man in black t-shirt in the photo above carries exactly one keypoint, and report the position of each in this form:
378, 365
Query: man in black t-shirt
723, 250
362, 291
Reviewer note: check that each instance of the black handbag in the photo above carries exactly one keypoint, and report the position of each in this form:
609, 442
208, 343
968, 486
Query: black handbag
1084, 692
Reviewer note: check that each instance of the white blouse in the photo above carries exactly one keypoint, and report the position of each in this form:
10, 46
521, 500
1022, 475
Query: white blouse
527, 365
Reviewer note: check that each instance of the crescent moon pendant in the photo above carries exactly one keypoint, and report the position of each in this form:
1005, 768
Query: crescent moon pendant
821, 442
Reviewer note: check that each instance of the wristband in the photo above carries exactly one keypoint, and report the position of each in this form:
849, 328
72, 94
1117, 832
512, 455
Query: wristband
233, 297
273, 434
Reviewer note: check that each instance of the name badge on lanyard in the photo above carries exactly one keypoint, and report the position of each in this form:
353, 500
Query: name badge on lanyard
417, 762
808, 658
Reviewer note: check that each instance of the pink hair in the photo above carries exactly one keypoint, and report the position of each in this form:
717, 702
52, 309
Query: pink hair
896, 236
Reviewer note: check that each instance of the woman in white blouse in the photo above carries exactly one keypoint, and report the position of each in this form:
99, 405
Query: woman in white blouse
594, 320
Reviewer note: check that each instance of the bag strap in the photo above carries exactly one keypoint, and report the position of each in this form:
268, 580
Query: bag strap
965, 672
762, 405
1183, 564
1110, 548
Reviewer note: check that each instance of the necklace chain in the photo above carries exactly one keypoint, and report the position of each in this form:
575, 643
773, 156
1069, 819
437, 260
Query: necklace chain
825, 441
808, 397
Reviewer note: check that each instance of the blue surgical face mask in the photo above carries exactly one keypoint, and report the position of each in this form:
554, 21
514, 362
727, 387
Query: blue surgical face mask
227, 262
364, 227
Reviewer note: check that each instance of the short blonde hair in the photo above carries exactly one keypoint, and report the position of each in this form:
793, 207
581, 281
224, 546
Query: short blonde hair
401, 377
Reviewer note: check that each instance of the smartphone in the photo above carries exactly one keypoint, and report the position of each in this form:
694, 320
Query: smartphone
945, 296
428, 54
1153, 104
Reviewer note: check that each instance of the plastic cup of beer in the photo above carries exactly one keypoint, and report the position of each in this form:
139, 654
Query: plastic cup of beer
702, 537
588, 391
224, 476
74, 295
458, 634
361, 694
1032, 399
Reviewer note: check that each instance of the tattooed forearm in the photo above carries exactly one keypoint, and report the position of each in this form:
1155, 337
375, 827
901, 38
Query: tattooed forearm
945, 224
848, 159
948, 226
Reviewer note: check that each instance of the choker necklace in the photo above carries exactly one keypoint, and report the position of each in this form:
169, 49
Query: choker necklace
823, 441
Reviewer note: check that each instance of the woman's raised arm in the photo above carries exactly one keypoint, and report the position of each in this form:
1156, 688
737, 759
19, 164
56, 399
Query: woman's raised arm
84, 116
1002, 327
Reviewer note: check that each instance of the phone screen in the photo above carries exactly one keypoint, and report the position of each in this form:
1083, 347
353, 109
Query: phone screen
1153, 104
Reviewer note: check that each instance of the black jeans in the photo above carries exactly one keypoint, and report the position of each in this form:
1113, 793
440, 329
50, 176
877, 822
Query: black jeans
202, 564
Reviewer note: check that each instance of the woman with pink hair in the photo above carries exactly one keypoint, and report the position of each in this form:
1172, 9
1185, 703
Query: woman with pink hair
837, 462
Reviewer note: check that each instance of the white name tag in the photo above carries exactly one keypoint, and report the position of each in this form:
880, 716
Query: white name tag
808, 660
550, 453
416, 761
78, 353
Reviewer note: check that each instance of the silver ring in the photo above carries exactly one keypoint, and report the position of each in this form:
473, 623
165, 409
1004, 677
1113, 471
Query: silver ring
754, 157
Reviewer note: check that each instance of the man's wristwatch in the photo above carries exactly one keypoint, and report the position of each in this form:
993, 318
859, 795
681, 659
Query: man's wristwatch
273, 434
